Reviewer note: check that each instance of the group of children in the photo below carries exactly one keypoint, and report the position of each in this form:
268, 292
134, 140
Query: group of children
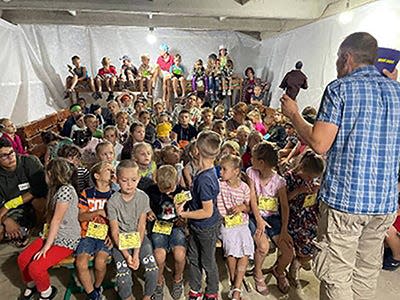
159, 184
213, 79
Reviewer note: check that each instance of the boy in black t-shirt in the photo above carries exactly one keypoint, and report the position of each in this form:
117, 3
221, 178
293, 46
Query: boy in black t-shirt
166, 230
183, 131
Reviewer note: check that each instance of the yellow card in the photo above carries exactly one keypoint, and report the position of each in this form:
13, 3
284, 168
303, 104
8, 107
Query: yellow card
268, 203
310, 200
97, 231
45, 231
182, 197
163, 227
233, 220
129, 240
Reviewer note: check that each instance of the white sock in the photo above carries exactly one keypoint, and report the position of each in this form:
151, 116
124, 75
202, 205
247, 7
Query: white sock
46, 293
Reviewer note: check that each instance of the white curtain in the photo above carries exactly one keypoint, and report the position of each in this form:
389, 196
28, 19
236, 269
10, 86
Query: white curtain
317, 44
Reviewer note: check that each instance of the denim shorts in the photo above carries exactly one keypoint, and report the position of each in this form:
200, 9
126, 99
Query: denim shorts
274, 221
91, 246
168, 242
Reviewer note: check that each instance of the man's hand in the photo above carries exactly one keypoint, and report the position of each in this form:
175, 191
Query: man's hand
392, 75
289, 106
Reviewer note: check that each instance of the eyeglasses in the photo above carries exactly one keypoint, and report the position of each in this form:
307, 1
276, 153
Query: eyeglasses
8, 155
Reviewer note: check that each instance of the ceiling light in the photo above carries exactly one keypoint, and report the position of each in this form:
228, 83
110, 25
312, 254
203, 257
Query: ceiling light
72, 13
151, 37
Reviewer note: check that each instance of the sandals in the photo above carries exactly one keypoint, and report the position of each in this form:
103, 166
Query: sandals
232, 291
261, 286
283, 282
293, 275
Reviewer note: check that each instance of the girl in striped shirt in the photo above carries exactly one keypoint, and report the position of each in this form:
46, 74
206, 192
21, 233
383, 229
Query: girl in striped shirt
233, 203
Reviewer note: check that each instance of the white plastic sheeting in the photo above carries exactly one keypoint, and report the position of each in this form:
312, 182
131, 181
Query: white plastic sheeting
317, 44
34, 58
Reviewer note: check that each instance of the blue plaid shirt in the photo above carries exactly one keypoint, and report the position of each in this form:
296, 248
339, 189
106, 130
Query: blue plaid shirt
363, 162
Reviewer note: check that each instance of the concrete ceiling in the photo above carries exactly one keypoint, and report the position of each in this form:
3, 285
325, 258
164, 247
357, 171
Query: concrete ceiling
269, 17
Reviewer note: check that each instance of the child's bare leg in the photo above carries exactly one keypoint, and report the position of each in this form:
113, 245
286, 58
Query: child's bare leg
149, 86
262, 247
100, 268
286, 256
231, 263
141, 87
160, 255
113, 80
74, 81
165, 87
393, 241
82, 267
241, 267
99, 84
175, 86
180, 261
183, 85
156, 74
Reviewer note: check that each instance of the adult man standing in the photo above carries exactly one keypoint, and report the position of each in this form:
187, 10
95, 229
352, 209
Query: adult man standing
358, 126
22, 186
294, 81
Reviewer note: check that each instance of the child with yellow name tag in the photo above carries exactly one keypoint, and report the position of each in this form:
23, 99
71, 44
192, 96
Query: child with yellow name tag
233, 204
166, 229
302, 184
95, 241
126, 211
269, 188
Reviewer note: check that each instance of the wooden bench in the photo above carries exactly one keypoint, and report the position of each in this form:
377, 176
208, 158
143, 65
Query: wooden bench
73, 285
30, 132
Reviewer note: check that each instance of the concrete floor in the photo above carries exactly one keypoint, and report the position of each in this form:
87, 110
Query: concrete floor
10, 282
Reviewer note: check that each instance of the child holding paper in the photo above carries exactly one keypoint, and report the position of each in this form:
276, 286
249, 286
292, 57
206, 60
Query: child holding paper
234, 205
167, 230
126, 212
204, 219
94, 243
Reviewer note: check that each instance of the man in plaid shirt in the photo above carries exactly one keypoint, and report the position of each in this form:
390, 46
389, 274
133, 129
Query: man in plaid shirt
358, 127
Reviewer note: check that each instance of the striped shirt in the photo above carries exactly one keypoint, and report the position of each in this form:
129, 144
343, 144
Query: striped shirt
363, 162
229, 197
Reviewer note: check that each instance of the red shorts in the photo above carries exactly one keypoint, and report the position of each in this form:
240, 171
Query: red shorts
396, 224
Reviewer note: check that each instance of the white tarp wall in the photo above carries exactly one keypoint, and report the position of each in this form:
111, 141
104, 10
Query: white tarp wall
34, 58
317, 44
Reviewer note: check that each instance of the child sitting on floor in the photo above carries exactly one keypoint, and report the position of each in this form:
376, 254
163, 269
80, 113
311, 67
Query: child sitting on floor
233, 203
126, 211
136, 135
163, 136
206, 119
110, 134
92, 214
256, 120
166, 229
142, 153
63, 233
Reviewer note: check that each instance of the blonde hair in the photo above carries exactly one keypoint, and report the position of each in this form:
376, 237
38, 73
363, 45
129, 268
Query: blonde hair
167, 178
243, 128
100, 146
235, 160
97, 168
206, 110
126, 164
145, 55
141, 145
208, 143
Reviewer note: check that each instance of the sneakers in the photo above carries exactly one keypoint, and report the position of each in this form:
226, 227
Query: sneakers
158, 293
110, 96
210, 297
224, 93
390, 264
177, 290
53, 294
229, 92
195, 295
29, 294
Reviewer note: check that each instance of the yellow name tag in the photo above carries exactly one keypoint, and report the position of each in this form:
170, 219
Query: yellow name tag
129, 240
97, 231
182, 197
163, 227
233, 220
268, 203
310, 200
45, 231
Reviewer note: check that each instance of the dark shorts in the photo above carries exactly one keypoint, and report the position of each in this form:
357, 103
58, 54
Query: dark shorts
91, 246
274, 221
168, 242
177, 76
